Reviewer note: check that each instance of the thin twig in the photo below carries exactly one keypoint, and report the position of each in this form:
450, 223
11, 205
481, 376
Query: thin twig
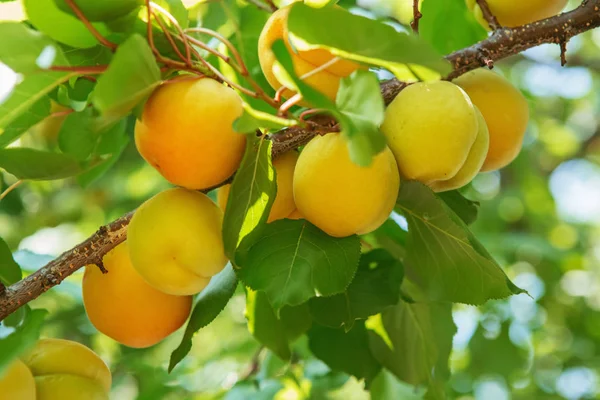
563, 51
416, 16
89, 26
267, 6
488, 15
10, 189
166, 14
91, 70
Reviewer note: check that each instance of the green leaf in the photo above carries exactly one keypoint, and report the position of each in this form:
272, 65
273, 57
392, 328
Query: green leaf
46, 17
211, 301
38, 165
77, 136
250, 197
22, 338
112, 143
460, 27
345, 351
359, 109
443, 257
177, 9
252, 119
293, 261
368, 40
375, 287
465, 209
10, 272
31, 116
359, 100
497, 356
387, 387
255, 390
131, 76
28, 51
421, 340
264, 325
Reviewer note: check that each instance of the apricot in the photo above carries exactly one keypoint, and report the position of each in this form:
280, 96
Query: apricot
67, 370
326, 80
123, 306
295, 215
474, 161
186, 132
283, 204
175, 241
517, 12
17, 382
340, 197
430, 128
104, 10
505, 111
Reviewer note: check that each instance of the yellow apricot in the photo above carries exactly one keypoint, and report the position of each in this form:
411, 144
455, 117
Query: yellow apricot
295, 215
17, 382
175, 241
517, 12
475, 160
186, 132
340, 197
430, 128
123, 306
326, 80
283, 204
84, 374
68, 387
505, 110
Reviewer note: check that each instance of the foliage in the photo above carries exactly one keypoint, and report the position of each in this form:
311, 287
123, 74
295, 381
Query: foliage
298, 312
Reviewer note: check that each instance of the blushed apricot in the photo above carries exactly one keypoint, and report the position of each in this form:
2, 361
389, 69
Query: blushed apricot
123, 306
186, 132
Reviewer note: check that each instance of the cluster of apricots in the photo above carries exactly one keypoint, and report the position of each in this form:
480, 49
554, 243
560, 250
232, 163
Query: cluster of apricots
56, 369
439, 133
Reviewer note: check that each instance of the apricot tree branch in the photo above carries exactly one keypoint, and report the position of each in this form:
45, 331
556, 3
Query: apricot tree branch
500, 44
416, 16
489, 15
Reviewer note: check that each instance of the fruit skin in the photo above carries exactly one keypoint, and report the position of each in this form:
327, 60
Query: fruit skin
68, 387
83, 373
186, 132
505, 110
284, 200
327, 81
123, 306
430, 128
474, 161
517, 12
295, 215
100, 10
340, 197
17, 382
175, 241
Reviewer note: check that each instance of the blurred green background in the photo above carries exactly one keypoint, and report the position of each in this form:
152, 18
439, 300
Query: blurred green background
540, 218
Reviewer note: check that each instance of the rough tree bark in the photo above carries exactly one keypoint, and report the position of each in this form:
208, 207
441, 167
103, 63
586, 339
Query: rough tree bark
502, 43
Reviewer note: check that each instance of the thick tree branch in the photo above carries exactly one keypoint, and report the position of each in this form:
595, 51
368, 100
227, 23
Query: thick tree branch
500, 44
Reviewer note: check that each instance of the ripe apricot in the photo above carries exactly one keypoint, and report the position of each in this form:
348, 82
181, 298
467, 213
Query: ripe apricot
175, 241
17, 382
474, 161
67, 370
104, 10
123, 306
505, 111
326, 80
186, 132
340, 197
430, 128
295, 215
517, 12
283, 204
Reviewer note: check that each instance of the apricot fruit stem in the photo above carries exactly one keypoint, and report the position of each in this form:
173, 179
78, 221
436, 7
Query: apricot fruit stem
489, 15
101, 39
416, 16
